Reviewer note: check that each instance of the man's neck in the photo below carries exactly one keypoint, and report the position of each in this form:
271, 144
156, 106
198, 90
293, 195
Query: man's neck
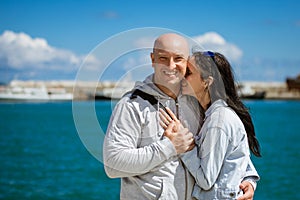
171, 92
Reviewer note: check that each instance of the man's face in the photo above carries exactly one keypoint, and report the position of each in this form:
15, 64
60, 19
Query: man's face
169, 67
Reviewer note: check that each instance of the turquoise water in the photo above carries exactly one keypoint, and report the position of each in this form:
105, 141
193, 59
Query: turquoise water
42, 156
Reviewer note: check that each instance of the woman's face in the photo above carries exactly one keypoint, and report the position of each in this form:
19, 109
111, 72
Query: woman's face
193, 84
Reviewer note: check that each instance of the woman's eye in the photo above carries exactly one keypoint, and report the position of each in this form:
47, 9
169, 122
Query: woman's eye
188, 72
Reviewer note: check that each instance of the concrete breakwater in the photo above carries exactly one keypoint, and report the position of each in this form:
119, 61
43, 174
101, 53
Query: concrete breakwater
273, 90
88, 90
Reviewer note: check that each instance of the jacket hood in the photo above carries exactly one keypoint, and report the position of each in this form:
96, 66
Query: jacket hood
149, 87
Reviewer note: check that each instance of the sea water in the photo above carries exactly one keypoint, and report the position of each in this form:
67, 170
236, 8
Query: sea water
43, 157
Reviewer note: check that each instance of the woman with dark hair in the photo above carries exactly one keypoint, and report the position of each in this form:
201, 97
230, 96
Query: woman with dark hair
221, 157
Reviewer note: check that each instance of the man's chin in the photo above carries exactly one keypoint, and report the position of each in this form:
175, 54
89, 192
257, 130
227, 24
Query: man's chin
170, 83
175, 80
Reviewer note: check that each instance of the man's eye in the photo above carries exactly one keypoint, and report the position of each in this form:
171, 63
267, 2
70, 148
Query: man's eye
178, 59
162, 58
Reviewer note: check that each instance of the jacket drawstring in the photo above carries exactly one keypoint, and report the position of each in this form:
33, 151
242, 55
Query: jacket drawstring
158, 118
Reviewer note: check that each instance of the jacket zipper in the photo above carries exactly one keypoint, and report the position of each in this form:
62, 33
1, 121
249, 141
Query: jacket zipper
185, 172
177, 108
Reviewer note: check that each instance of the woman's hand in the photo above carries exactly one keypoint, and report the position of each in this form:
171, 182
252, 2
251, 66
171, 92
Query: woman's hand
181, 138
167, 118
248, 191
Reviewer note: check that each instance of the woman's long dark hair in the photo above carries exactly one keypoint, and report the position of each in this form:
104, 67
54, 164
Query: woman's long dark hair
217, 66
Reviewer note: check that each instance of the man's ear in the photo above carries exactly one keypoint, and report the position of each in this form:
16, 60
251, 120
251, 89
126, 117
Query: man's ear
209, 81
152, 58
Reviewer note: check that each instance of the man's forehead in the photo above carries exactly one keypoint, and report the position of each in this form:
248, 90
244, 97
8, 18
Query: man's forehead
170, 53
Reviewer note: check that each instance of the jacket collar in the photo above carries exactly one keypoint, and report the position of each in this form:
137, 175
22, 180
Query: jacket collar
218, 103
149, 87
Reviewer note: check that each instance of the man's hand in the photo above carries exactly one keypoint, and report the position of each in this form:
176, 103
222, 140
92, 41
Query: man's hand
182, 139
248, 191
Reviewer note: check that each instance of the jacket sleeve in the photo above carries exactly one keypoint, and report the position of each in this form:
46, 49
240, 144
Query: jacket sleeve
121, 154
206, 166
251, 174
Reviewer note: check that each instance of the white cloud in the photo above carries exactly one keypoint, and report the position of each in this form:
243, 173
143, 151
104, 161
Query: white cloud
211, 38
215, 42
23, 55
19, 50
91, 63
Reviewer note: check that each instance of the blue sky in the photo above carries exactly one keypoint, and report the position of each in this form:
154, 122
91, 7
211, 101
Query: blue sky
50, 40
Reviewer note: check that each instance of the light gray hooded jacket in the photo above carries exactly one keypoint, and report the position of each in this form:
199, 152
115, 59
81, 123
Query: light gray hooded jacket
136, 151
222, 157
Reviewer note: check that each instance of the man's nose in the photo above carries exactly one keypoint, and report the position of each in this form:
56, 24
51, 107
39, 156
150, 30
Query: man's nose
172, 63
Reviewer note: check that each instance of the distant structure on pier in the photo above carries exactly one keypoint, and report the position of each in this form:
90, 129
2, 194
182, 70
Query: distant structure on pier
293, 83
